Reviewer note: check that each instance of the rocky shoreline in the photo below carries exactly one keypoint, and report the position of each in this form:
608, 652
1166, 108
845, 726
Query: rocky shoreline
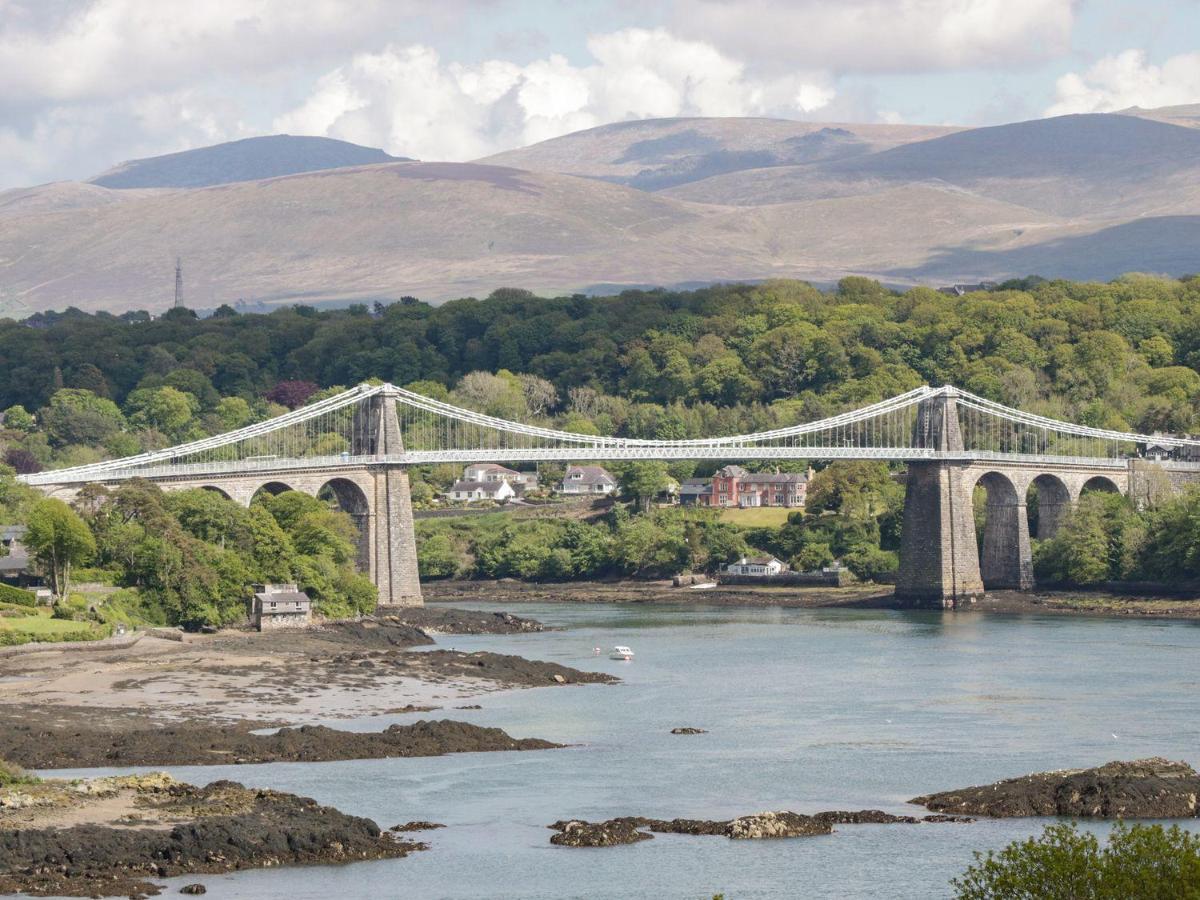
858, 596
1153, 788
198, 702
755, 826
110, 836
44, 745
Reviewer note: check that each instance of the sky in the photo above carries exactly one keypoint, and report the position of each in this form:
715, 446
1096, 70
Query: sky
85, 84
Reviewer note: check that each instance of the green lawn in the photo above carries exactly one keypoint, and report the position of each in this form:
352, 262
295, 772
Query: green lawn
42, 623
760, 517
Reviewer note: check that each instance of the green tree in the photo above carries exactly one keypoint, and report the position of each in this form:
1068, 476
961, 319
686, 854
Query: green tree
644, 480
59, 539
76, 416
166, 409
857, 490
1143, 861
19, 419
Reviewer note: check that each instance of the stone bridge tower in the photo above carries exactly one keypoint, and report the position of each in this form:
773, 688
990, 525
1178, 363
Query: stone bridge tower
393, 538
939, 556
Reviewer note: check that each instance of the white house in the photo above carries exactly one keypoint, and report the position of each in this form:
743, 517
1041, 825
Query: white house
756, 565
588, 480
499, 491
521, 482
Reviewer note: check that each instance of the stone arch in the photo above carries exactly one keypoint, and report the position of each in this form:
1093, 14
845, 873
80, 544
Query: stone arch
1005, 559
1048, 501
350, 498
1100, 483
270, 487
216, 490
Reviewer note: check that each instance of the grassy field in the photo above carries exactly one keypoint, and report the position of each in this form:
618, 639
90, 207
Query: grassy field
760, 517
40, 622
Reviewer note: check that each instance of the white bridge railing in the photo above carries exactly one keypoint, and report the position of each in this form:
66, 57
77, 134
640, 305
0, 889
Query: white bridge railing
337, 434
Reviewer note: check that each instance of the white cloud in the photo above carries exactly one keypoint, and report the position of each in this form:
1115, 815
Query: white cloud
411, 103
1126, 79
881, 35
108, 48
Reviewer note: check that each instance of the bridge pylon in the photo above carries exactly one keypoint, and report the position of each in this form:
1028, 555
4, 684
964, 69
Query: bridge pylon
394, 542
939, 556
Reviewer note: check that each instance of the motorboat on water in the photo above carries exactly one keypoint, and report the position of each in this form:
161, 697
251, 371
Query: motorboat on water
621, 653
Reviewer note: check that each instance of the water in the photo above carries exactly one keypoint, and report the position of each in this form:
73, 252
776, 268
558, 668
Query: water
806, 710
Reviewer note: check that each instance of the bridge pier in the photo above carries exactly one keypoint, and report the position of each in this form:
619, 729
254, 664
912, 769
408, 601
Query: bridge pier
394, 541
1007, 559
939, 557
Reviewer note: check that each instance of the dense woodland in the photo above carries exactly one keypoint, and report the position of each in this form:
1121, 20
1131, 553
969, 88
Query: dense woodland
662, 364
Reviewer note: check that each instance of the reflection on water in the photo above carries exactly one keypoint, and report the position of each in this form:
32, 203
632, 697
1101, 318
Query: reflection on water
806, 710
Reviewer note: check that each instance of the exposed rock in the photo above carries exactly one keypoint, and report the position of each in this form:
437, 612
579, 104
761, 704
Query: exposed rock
688, 730
599, 834
879, 817
776, 825
628, 829
440, 620
189, 744
193, 889
1146, 788
416, 826
218, 828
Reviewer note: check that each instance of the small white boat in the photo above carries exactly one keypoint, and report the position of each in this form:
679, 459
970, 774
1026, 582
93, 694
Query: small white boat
621, 653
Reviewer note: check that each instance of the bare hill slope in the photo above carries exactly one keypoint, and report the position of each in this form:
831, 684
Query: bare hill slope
652, 154
1078, 196
246, 160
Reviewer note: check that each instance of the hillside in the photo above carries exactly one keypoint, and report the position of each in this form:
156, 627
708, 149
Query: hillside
1090, 166
1187, 114
246, 160
653, 154
1076, 196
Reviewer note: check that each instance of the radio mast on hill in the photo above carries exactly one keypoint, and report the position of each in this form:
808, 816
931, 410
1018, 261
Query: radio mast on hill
178, 282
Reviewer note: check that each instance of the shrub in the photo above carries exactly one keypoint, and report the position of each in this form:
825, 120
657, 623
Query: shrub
871, 563
11, 774
1144, 861
10, 594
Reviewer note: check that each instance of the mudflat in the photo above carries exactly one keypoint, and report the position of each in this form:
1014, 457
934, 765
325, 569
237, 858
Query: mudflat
199, 700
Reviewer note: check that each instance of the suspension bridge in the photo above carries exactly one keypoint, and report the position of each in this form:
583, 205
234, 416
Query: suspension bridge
356, 448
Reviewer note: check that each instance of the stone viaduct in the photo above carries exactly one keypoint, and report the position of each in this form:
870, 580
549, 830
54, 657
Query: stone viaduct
941, 561
375, 496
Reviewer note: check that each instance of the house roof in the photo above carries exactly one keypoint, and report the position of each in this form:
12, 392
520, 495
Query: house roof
694, 486
590, 475
758, 560
484, 487
731, 472
493, 467
283, 597
775, 478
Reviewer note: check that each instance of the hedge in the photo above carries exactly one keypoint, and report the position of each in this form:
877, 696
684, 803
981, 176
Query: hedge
10, 594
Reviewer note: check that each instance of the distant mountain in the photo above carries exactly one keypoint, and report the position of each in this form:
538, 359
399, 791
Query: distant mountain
246, 160
1187, 115
652, 154
686, 201
1091, 166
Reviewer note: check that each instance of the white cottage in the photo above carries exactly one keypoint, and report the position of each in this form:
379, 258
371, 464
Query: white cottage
760, 566
470, 491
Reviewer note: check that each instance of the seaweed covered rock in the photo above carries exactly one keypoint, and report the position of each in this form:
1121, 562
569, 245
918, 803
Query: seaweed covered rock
576, 833
1153, 788
776, 825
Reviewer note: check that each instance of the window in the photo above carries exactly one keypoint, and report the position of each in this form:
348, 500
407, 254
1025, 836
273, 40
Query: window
272, 604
